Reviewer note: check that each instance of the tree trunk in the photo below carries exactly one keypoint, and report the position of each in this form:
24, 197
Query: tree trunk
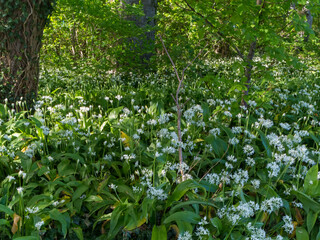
309, 21
21, 30
144, 43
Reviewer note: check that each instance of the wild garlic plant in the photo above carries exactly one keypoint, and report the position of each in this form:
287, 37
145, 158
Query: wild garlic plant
100, 160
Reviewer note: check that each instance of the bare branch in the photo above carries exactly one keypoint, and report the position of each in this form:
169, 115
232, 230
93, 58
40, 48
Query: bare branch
174, 66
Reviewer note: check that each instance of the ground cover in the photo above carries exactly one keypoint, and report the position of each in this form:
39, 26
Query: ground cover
97, 157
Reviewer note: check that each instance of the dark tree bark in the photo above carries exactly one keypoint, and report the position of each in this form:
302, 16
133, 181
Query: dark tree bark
309, 21
21, 28
148, 20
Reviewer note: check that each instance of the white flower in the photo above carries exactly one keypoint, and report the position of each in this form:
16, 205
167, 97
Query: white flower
119, 97
252, 103
231, 158
234, 141
227, 113
274, 169
288, 226
20, 190
248, 150
112, 186
21, 173
215, 132
272, 204
38, 225
255, 183
45, 130
10, 178
236, 130
153, 193
202, 232
185, 236
285, 126
32, 209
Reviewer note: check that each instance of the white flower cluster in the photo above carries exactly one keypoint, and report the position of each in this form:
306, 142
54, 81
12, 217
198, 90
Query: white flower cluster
256, 233
185, 236
288, 225
201, 231
155, 193
267, 123
271, 205
32, 210
235, 213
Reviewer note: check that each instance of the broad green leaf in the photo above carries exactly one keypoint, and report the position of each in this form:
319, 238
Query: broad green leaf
181, 189
302, 234
36, 122
27, 238
318, 235
56, 215
80, 190
184, 226
216, 222
311, 180
204, 203
205, 111
102, 218
2, 110
4, 222
186, 216
308, 203
6, 210
265, 144
159, 233
117, 212
219, 146
311, 220
65, 168
78, 232
113, 115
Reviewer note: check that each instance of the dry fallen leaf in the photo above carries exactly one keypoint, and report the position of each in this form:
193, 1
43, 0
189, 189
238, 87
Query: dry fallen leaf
16, 219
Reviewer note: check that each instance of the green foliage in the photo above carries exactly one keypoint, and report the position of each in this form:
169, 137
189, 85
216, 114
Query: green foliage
97, 158
95, 35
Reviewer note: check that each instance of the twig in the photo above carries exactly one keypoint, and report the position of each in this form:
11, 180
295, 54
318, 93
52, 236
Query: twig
176, 99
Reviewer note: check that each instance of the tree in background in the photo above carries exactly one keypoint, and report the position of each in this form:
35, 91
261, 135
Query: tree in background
145, 41
21, 28
100, 35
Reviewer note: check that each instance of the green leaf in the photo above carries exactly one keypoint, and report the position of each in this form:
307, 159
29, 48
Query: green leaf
6, 210
308, 203
311, 180
219, 146
56, 215
311, 220
159, 233
113, 115
186, 216
4, 222
205, 111
318, 235
26, 238
216, 222
2, 111
204, 203
65, 168
181, 189
265, 144
78, 232
302, 234
117, 212
80, 190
